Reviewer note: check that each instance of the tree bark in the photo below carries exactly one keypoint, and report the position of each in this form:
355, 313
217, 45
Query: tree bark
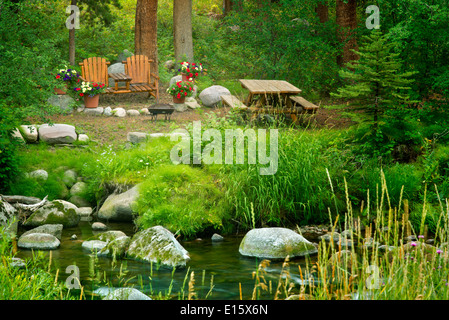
145, 38
322, 10
72, 41
182, 30
346, 16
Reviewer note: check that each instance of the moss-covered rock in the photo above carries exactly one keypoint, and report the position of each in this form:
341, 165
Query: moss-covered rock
158, 245
38, 241
54, 212
119, 207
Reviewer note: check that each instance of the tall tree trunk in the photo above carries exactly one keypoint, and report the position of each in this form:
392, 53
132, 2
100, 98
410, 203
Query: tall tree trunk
145, 38
72, 40
322, 10
346, 15
227, 6
182, 30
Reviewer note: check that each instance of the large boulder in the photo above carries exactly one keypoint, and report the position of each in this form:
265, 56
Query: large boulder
275, 243
119, 207
212, 96
117, 247
29, 133
38, 241
54, 212
158, 245
53, 229
58, 133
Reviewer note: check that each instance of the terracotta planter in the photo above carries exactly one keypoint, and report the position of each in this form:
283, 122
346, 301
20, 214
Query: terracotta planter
180, 100
185, 77
91, 102
60, 91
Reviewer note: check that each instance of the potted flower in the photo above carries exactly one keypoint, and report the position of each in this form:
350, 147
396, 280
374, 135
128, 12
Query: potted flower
190, 71
69, 77
90, 91
180, 90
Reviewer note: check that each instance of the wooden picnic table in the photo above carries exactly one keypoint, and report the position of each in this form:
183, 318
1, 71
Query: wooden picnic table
268, 91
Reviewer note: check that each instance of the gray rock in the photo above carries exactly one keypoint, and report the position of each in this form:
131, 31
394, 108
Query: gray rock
275, 243
330, 236
39, 175
118, 246
169, 64
64, 102
85, 213
83, 137
126, 294
175, 79
53, 229
144, 111
17, 263
73, 237
192, 103
133, 113
137, 137
108, 235
119, 112
54, 212
217, 238
78, 189
211, 96
107, 111
158, 245
180, 107
38, 241
119, 207
58, 133
99, 226
69, 178
29, 133
79, 201
98, 111
94, 246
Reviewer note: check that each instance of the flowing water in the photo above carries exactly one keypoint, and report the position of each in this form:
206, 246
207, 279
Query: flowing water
216, 265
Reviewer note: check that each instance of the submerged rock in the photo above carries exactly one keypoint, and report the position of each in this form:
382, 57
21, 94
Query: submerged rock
275, 243
117, 247
158, 245
95, 246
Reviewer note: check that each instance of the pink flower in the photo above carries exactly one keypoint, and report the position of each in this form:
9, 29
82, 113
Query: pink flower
413, 244
439, 251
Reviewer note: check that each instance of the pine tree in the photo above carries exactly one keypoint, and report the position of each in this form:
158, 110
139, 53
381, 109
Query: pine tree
375, 81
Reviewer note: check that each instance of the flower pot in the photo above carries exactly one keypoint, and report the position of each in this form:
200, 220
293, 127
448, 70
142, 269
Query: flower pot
179, 100
91, 102
185, 77
60, 91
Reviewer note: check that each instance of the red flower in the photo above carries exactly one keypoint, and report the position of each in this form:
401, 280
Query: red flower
178, 96
185, 93
188, 70
191, 75
95, 84
81, 94
102, 85
196, 74
58, 76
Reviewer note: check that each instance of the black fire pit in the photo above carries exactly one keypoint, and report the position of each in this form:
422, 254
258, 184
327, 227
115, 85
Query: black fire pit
160, 108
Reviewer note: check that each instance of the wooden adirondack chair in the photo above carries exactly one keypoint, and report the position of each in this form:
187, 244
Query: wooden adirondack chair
96, 70
138, 68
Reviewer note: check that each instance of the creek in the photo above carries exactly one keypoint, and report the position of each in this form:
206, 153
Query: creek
216, 265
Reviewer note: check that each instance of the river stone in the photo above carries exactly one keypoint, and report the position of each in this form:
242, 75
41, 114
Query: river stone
216, 237
39, 175
38, 241
275, 243
7, 216
69, 178
57, 134
98, 226
53, 229
126, 294
118, 207
95, 246
108, 235
158, 245
212, 95
117, 247
78, 189
29, 133
54, 212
